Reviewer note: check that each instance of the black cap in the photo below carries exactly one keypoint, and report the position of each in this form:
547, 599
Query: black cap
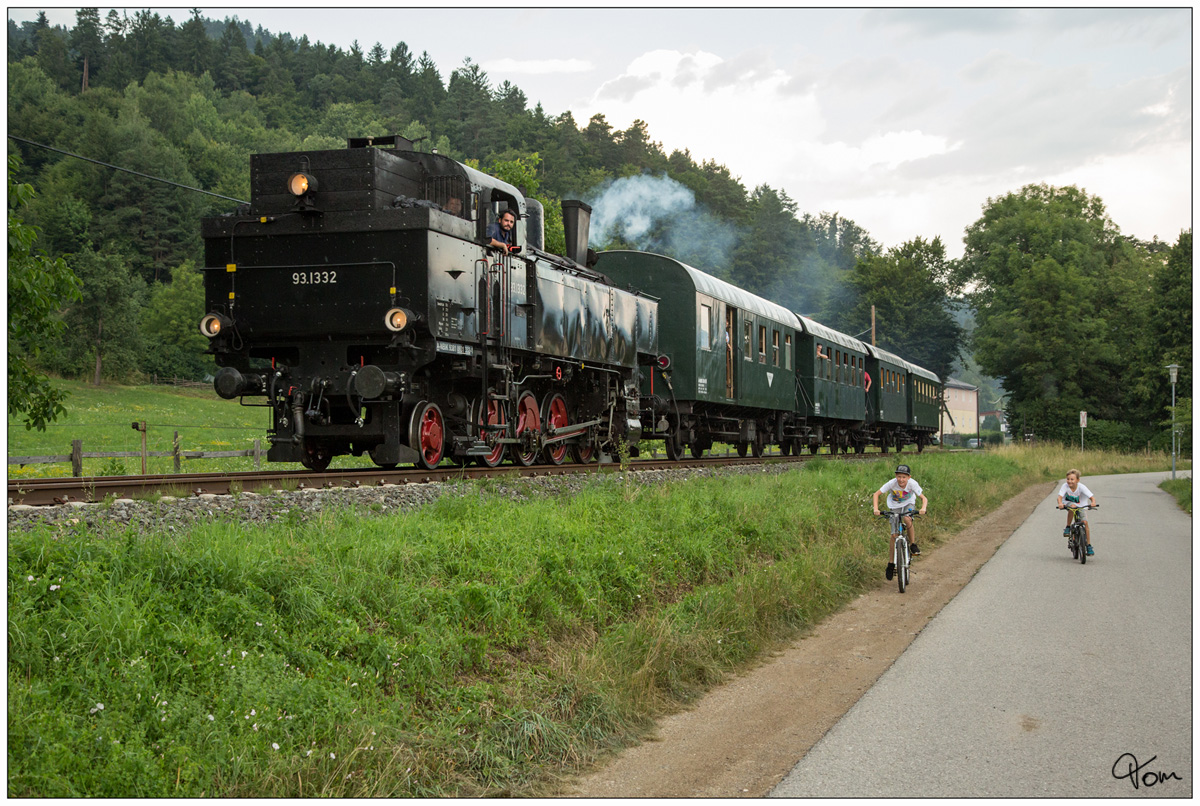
903, 469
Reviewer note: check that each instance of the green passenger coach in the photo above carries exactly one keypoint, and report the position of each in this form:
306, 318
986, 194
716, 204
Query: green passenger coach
831, 367
727, 363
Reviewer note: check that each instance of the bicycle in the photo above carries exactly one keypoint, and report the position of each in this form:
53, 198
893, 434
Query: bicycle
1077, 540
901, 557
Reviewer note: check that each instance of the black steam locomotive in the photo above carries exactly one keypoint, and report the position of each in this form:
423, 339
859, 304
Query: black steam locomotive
357, 294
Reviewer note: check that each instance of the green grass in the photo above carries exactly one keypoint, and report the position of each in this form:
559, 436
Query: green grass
1181, 488
102, 416
479, 646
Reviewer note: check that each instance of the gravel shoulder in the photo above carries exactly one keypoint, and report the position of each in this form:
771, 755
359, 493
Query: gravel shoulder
742, 738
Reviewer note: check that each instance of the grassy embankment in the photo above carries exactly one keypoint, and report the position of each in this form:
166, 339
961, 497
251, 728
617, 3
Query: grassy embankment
479, 646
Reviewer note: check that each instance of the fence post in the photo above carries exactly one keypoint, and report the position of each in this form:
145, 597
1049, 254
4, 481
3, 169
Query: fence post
143, 430
77, 457
175, 451
257, 454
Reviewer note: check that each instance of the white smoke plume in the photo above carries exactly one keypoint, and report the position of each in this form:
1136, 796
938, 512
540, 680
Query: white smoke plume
658, 214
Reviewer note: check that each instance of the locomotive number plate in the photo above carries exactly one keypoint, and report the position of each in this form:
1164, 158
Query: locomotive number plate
314, 278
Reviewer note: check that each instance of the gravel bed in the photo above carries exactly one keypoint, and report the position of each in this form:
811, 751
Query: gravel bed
171, 514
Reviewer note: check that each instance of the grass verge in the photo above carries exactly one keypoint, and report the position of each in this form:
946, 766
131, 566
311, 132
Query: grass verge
1182, 490
478, 646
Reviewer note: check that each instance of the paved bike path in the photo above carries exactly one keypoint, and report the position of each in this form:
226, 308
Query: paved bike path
987, 701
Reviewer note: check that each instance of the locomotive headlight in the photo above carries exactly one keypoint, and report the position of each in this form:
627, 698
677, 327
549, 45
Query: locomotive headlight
299, 184
212, 325
397, 319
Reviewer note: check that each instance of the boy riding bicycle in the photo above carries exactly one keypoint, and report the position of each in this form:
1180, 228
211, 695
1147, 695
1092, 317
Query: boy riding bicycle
1072, 492
902, 492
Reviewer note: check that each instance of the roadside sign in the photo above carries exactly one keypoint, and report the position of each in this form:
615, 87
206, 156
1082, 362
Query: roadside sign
1083, 419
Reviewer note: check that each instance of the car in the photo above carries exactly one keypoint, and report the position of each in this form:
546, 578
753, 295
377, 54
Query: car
973, 443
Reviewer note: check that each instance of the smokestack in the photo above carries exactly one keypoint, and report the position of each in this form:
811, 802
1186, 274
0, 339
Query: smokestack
577, 224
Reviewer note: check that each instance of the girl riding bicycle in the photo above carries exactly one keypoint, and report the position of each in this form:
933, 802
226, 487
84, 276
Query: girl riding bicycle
902, 492
1073, 492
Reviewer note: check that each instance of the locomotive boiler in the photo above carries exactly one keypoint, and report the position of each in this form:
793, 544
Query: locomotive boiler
357, 300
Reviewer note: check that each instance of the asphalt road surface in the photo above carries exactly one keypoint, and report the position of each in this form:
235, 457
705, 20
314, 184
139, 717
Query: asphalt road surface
1043, 677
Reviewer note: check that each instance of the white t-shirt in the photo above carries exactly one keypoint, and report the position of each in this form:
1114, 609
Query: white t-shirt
897, 498
1081, 496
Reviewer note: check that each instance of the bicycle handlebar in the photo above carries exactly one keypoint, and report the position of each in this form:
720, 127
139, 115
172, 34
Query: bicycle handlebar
1084, 506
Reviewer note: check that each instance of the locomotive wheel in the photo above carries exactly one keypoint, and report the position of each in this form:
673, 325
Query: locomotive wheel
556, 417
756, 448
527, 419
427, 435
860, 447
743, 448
920, 444
316, 456
584, 454
495, 416
674, 446
814, 448
697, 449
785, 448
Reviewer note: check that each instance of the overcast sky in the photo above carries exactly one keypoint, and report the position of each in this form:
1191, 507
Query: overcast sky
904, 121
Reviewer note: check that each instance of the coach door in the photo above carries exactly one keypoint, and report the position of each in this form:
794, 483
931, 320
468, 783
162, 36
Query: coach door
729, 332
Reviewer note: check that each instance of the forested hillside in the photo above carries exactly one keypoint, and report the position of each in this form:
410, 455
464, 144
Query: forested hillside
190, 101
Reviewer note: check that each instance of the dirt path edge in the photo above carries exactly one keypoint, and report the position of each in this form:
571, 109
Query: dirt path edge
742, 738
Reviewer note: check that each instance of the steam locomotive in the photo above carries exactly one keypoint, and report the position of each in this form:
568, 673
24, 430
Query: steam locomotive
357, 298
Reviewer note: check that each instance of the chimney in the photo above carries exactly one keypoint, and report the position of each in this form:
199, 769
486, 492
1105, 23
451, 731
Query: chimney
577, 223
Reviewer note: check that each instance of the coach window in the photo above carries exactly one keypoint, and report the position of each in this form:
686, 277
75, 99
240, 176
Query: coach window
775, 347
762, 344
837, 366
705, 330
746, 341
787, 351
846, 368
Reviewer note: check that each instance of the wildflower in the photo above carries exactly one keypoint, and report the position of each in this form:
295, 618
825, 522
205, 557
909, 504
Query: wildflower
29, 578
309, 753
99, 707
55, 587
274, 746
212, 718
255, 726
259, 624
331, 755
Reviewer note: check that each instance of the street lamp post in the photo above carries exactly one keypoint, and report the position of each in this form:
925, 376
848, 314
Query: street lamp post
1174, 370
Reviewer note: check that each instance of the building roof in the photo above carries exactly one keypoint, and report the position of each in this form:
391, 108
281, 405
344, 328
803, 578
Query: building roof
955, 383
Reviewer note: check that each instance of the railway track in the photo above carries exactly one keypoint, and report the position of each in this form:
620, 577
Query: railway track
92, 489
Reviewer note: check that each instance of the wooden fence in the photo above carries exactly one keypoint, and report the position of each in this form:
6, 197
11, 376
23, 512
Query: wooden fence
77, 454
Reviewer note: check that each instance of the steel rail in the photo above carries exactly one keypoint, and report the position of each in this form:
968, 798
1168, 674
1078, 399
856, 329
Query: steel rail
93, 489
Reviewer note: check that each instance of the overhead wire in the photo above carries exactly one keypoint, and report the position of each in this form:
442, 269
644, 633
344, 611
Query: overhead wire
126, 170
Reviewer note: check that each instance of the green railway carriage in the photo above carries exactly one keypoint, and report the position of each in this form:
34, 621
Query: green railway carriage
924, 404
891, 411
731, 374
832, 403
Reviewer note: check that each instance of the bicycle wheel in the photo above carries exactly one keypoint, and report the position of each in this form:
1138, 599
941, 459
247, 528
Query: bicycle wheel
1081, 541
1074, 544
902, 563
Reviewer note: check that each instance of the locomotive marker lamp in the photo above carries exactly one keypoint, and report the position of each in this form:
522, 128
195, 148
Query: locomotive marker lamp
304, 187
212, 325
1174, 370
397, 319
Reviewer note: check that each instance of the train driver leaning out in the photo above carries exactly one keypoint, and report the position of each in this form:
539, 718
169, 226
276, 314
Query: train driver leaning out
500, 234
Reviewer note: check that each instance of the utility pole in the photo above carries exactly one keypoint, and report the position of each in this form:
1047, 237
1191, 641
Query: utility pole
873, 326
